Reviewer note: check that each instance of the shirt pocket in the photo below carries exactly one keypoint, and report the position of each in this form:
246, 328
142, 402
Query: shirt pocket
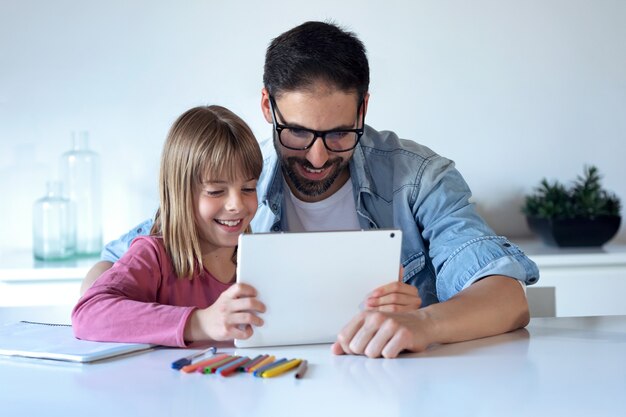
413, 266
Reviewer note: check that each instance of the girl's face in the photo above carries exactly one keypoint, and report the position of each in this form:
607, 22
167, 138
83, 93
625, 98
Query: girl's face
223, 210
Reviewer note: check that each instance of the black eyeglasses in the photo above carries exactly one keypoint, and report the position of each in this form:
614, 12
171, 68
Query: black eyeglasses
301, 139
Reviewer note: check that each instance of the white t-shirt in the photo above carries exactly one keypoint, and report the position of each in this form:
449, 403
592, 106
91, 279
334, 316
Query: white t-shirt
337, 212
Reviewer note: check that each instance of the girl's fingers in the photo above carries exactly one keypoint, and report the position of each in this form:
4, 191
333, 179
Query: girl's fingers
244, 318
240, 332
241, 290
246, 304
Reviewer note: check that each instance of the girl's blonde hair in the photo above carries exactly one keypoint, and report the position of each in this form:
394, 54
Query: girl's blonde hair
204, 142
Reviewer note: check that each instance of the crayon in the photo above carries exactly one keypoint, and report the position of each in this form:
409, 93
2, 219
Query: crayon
212, 368
195, 366
251, 363
281, 369
231, 367
301, 369
262, 369
268, 359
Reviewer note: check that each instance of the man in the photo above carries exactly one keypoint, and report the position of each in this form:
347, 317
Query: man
324, 169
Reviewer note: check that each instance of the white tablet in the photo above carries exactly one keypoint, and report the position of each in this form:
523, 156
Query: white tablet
313, 283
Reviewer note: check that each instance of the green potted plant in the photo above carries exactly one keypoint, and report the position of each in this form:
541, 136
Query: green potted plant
582, 215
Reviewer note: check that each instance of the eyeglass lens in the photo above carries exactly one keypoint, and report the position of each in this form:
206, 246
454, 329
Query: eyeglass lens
301, 139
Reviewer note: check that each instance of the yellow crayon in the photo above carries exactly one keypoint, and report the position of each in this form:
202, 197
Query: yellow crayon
264, 362
281, 369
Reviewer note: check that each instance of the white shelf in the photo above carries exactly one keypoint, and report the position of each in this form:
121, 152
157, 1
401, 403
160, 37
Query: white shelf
19, 265
547, 256
573, 282
25, 281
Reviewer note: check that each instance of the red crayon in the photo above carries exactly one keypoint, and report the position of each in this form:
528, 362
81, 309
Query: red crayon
232, 367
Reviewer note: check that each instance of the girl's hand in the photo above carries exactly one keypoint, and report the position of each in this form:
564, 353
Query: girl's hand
230, 317
395, 297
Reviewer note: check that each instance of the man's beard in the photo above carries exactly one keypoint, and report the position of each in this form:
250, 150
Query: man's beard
307, 187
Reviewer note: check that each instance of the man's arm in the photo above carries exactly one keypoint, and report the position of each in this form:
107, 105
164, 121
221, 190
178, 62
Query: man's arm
493, 305
98, 269
114, 251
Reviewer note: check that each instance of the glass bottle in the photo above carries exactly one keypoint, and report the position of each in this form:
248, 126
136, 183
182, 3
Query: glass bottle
54, 234
80, 171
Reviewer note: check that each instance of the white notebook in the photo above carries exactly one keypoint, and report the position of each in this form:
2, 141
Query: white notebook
313, 283
57, 341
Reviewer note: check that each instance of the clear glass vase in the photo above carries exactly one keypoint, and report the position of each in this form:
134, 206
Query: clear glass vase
54, 233
80, 171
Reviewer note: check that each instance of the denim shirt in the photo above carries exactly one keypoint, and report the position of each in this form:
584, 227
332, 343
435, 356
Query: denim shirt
446, 245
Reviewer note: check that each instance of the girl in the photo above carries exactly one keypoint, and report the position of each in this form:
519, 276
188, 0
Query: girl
176, 285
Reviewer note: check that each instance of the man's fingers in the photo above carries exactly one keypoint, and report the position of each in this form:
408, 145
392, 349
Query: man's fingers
399, 300
366, 333
376, 334
385, 332
337, 349
394, 287
347, 333
400, 341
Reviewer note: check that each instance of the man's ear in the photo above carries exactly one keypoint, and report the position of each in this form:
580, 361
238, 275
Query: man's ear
265, 105
366, 100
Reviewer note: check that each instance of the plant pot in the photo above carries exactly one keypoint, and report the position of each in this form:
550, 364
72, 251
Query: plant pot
575, 232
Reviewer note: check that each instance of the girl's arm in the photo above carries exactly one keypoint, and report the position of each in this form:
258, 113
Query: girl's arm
123, 305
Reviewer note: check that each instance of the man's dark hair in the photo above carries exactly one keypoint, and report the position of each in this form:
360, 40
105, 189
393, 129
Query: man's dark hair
316, 51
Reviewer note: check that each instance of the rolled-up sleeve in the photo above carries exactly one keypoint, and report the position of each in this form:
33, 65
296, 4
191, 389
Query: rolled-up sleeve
462, 246
481, 257
114, 250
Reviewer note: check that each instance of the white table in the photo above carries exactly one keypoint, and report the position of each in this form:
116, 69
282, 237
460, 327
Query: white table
557, 366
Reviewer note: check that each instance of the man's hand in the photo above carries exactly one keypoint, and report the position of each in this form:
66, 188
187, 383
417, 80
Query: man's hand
395, 297
94, 273
493, 305
374, 334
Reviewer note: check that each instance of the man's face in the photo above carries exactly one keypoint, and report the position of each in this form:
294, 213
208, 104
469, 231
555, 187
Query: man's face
315, 173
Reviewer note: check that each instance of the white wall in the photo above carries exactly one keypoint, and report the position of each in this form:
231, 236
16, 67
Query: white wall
513, 91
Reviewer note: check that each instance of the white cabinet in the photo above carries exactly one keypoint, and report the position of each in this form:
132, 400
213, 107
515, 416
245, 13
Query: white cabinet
26, 282
577, 281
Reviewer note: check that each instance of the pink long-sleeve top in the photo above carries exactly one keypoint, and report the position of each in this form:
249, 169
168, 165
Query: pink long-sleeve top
141, 300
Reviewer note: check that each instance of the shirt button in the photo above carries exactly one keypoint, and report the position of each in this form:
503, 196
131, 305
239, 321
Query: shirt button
139, 230
274, 207
275, 228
